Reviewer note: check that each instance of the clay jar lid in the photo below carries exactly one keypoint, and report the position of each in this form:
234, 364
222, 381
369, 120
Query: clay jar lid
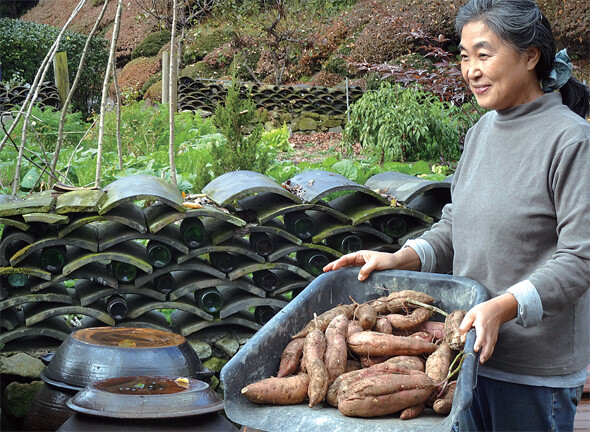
145, 397
98, 353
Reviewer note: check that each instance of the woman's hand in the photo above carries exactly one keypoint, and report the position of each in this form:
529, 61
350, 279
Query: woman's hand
368, 261
486, 318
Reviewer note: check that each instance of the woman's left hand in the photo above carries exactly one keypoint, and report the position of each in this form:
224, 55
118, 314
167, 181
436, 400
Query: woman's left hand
486, 318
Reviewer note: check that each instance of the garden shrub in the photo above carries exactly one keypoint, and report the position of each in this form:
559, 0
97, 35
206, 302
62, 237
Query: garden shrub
405, 124
153, 93
136, 73
570, 21
199, 70
24, 45
202, 43
151, 45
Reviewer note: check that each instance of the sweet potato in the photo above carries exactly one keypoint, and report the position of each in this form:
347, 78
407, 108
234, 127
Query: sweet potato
384, 394
422, 335
370, 343
278, 391
438, 363
444, 404
373, 360
313, 363
398, 301
323, 320
435, 328
336, 349
291, 357
407, 362
411, 320
380, 305
383, 326
412, 411
353, 327
452, 334
366, 315
341, 383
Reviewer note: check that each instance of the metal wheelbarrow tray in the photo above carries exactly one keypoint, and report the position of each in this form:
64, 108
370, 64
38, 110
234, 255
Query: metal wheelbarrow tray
260, 357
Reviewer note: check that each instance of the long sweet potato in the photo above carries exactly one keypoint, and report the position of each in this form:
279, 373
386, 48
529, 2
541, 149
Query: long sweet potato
370, 343
278, 391
353, 327
323, 320
438, 363
384, 394
452, 334
291, 357
407, 362
411, 320
336, 349
313, 363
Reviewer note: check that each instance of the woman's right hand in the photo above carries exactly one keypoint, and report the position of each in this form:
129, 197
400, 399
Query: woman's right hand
368, 261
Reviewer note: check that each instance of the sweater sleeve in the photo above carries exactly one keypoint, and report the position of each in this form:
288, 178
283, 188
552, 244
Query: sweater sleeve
565, 277
440, 237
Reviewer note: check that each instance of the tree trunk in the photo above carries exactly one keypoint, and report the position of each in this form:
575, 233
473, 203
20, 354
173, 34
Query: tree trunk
173, 92
105, 90
64, 111
32, 96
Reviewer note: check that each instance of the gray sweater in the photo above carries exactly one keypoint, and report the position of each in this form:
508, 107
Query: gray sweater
521, 211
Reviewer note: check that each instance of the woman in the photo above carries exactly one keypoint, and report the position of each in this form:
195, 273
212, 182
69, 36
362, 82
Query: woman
519, 221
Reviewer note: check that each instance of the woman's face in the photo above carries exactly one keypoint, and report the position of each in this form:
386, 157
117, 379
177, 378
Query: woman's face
499, 76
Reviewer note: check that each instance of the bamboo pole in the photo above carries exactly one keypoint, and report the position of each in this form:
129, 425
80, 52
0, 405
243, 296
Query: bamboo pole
172, 92
118, 112
81, 64
32, 97
105, 89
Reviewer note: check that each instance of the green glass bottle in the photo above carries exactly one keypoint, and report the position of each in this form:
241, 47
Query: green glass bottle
345, 242
17, 280
209, 300
53, 258
165, 283
312, 261
158, 254
222, 261
117, 307
263, 314
393, 226
266, 280
300, 224
123, 272
261, 243
192, 232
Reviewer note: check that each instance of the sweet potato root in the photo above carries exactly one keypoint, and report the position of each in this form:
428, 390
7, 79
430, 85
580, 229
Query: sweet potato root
291, 357
407, 362
452, 334
384, 394
323, 320
411, 320
370, 343
336, 349
353, 327
314, 346
366, 315
435, 328
397, 301
412, 411
383, 326
444, 404
278, 391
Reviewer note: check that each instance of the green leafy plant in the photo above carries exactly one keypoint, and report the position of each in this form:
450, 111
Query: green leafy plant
398, 124
241, 149
24, 44
151, 45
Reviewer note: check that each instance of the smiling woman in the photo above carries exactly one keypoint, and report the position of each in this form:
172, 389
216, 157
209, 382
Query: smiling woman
532, 252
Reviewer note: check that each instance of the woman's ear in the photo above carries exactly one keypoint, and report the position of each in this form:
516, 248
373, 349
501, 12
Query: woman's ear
532, 54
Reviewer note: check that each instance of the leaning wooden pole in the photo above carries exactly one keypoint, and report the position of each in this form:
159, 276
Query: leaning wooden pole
32, 97
105, 90
66, 105
172, 92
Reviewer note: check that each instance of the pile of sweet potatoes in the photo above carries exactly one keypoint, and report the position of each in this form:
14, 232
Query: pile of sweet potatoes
376, 358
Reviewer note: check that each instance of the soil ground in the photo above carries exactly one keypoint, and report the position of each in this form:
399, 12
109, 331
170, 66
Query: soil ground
316, 147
